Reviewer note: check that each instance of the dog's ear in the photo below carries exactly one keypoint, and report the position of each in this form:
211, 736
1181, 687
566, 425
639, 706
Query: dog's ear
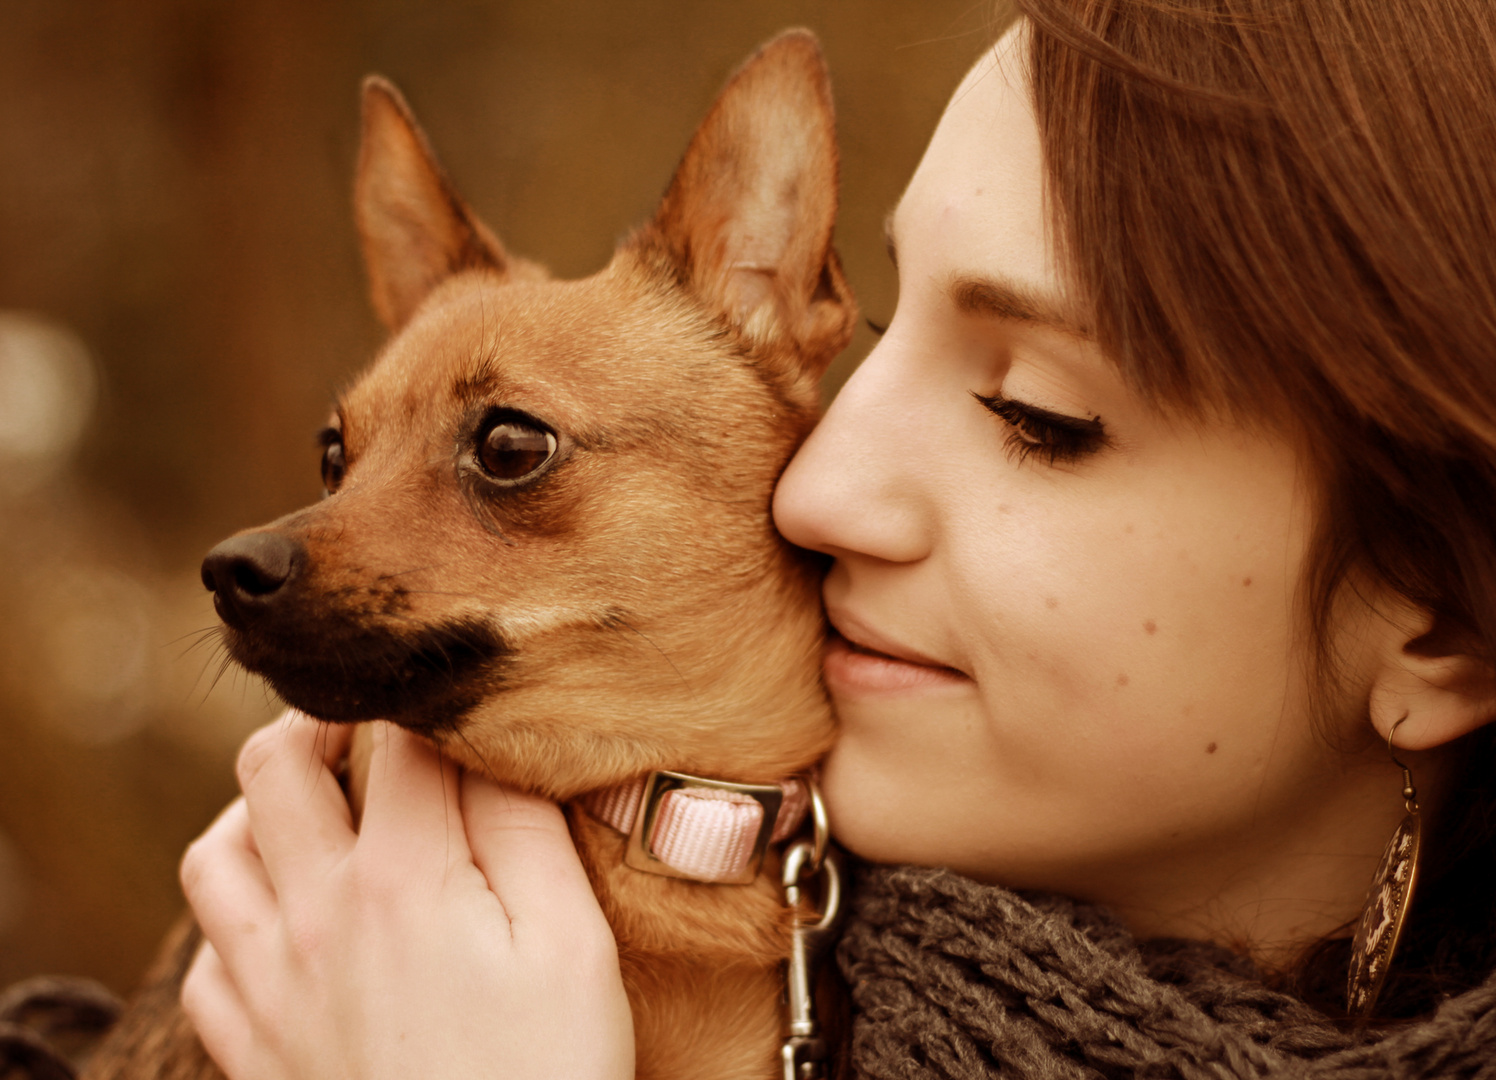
414, 227
749, 214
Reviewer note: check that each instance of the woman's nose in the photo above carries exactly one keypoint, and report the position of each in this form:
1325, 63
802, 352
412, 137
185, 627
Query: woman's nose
856, 486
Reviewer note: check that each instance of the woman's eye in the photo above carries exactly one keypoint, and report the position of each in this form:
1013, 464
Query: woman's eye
1055, 437
333, 465
513, 449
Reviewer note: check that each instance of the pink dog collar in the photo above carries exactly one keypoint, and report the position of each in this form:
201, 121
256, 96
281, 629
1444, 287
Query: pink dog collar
703, 830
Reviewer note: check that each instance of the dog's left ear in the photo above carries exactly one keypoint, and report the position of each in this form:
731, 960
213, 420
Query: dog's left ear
749, 215
415, 228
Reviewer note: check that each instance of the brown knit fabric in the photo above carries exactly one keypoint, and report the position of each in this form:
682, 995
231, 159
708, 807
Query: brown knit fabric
950, 978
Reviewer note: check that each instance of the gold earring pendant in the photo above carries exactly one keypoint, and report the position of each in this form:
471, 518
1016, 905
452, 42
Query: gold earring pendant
1387, 902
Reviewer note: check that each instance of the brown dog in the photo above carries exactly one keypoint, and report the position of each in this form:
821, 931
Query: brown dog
547, 543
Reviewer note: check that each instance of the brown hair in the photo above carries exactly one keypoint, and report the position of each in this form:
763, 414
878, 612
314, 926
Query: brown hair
1285, 210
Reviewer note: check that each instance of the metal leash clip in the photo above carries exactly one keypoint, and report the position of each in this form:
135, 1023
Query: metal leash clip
804, 1052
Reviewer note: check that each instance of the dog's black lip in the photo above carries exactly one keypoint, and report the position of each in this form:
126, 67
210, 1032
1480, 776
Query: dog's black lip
428, 678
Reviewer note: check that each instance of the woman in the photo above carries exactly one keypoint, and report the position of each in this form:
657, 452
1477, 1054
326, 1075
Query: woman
1159, 515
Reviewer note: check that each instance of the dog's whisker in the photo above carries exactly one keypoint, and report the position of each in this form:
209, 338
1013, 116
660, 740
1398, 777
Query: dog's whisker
443, 592
752, 504
223, 668
492, 775
199, 636
307, 780
210, 637
198, 646
221, 654
663, 655
413, 570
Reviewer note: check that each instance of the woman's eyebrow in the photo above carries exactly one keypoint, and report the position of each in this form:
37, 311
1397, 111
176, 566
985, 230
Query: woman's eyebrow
998, 297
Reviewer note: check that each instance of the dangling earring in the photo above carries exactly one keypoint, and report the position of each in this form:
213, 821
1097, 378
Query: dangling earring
1387, 903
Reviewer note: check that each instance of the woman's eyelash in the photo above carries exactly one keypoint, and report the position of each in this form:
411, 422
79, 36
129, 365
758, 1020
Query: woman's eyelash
878, 328
1056, 438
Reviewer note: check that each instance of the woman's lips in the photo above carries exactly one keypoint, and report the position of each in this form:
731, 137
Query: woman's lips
852, 669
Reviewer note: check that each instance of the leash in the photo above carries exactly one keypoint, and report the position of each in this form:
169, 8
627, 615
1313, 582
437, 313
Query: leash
717, 832
804, 1052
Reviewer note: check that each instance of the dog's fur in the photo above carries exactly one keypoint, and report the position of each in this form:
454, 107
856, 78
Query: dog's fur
628, 607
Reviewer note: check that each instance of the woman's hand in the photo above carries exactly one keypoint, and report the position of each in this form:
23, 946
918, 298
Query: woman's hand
454, 935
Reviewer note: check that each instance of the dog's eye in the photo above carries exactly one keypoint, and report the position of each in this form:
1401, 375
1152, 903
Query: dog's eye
513, 449
332, 465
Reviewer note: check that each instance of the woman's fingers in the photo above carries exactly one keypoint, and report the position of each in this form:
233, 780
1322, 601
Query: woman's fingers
412, 814
370, 949
287, 764
213, 1003
523, 847
225, 881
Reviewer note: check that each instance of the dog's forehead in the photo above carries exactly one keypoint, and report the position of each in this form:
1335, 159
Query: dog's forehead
600, 346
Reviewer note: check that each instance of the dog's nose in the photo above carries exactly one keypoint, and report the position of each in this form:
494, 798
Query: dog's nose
246, 573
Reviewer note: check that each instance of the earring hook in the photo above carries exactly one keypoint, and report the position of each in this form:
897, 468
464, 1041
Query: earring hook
1409, 792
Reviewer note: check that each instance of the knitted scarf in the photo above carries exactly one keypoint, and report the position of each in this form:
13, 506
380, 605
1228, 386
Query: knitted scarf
950, 978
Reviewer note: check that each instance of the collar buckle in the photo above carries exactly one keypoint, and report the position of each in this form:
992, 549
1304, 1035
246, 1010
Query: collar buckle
641, 855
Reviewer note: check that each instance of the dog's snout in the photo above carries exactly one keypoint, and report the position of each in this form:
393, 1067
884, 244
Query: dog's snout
248, 572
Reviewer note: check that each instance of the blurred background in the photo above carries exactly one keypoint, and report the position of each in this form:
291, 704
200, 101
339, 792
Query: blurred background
180, 294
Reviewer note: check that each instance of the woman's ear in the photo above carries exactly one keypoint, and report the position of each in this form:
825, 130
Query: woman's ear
1422, 676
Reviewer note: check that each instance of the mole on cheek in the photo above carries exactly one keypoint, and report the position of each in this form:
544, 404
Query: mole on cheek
1211, 749
1122, 680
1246, 581
1051, 602
1150, 627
